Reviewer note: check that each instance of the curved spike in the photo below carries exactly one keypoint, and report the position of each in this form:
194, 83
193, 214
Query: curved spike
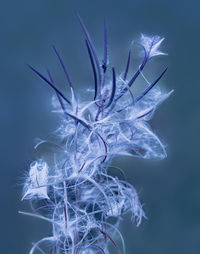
91, 46
126, 72
127, 65
110, 238
64, 69
105, 60
49, 83
67, 113
86, 125
113, 88
141, 67
59, 97
93, 68
151, 86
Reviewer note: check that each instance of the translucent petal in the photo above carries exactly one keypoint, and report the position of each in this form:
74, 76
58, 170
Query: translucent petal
151, 45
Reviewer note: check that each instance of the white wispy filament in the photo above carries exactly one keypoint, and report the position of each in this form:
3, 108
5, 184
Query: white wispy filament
71, 188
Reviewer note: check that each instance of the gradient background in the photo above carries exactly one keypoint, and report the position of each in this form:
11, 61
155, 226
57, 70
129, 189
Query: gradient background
169, 189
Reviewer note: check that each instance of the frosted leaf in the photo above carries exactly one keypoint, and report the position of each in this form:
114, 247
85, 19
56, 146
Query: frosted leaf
146, 144
38, 177
116, 208
151, 45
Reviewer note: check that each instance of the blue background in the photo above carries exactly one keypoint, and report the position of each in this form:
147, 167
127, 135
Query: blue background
169, 189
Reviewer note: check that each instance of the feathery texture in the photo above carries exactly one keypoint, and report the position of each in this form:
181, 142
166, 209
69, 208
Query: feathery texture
71, 188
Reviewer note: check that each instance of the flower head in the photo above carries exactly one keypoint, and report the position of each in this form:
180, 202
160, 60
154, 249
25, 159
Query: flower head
80, 196
151, 45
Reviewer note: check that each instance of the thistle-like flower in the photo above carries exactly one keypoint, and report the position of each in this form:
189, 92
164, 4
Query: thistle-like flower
71, 188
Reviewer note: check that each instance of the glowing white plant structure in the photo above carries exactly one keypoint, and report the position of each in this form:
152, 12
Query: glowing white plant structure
73, 190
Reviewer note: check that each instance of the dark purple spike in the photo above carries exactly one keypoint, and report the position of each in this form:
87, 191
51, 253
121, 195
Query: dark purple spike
113, 88
49, 83
105, 60
126, 71
59, 98
93, 68
110, 238
127, 65
91, 46
105, 146
150, 86
64, 69
145, 114
50, 77
141, 67
124, 78
79, 120
63, 107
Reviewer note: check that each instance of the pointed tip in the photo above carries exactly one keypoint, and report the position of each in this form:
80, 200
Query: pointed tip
113, 88
76, 12
170, 92
93, 68
105, 59
151, 86
32, 68
54, 49
78, 16
166, 68
49, 83
29, 66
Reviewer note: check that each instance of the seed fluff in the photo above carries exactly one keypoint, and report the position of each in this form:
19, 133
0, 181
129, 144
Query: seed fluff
71, 188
